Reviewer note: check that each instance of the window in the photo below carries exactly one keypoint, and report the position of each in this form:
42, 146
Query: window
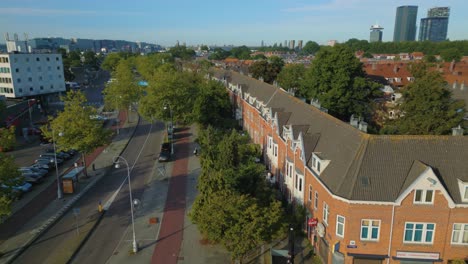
30, 79
296, 181
47, 59
37, 59
424, 196
20, 90
370, 229
460, 234
300, 184
56, 58
42, 87
276, 151
17, 69
318, 166
40, 78
465, 196
18, 80
51, 86
419, 233
340, 225
316, 200
31, 89
310, 193
314, 162
290, 170
325, 213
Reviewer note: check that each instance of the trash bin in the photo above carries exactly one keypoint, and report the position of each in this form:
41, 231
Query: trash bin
70, 180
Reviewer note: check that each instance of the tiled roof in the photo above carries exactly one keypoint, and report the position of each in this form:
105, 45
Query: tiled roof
367, 167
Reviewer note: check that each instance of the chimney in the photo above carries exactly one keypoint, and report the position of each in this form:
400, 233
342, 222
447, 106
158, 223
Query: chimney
363, 126
395, 68
452, 65
457, 131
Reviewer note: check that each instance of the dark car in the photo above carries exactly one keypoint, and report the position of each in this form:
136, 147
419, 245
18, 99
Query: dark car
33, 170
32, 178
165, 154
60, 154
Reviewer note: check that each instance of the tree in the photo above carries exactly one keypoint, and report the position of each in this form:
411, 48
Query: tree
242, 52
219, 54
123, 92
9, 177
338, 81
176, 91
182, 52
73, 127
291, 76
428, 107
204, 47
310, 48
111, 61
90, 59
7, 138
451, 54
268, 70
147, 65
212, 105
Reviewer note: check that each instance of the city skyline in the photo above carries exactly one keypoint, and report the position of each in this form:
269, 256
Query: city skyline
239, 23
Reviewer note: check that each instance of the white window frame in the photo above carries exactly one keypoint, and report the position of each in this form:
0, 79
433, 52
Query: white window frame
465, 193
326, 213
340, 223
316, 198
424, 233
423, 196
370, 227
310, 193
463, 231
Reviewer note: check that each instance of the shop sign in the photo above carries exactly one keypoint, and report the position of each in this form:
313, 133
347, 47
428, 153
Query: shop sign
312, 222
417, 255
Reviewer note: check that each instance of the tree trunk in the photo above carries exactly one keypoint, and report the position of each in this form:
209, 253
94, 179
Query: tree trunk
84, 165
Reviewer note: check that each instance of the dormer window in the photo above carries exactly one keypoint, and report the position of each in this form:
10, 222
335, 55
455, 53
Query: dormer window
424, 196
465, 193
318, 166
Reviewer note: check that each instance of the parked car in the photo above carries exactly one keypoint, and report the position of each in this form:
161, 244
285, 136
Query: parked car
32, 178
70, 152
41, 165
40, 172
22, 186
48, 160
165, 154
51, 156
60, 155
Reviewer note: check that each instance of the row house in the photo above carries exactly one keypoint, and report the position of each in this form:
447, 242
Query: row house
369, 198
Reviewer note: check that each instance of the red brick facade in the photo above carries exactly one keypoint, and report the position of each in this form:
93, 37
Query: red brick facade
387, 219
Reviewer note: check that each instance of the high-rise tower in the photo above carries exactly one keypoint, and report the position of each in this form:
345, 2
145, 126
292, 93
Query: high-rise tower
376, 33
405, 23
434, 27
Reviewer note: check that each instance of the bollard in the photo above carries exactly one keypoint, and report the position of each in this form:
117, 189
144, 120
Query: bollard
100, 207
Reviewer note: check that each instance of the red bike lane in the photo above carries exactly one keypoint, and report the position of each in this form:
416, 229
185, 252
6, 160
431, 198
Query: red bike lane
169, 242
14, 223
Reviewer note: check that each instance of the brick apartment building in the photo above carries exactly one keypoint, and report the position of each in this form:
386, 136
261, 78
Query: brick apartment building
374, 198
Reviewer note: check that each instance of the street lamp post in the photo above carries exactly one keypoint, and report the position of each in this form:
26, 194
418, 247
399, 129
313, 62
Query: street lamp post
117, 165
172, 127
59, 187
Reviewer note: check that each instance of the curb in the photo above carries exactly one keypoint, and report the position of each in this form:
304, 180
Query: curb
41, 230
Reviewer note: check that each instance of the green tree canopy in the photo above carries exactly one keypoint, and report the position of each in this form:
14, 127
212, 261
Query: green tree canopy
311, 47
212, 105
242, 52
176, 91
9, 176
7, 138
147, 65
427, 107
291, 76
182, 52
338, 81
111, 61
451, 54
91, 60
268, 70
124, 91
73, 127
219, 54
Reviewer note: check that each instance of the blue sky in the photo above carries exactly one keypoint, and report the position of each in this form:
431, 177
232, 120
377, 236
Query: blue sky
215, 21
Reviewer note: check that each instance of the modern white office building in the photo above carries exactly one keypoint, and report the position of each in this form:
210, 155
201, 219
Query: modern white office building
30, 74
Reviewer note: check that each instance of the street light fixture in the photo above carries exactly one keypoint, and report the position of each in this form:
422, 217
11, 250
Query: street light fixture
172, 127
117, 165
59, 185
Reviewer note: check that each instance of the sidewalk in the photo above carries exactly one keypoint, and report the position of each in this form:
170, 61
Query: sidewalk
170, 237
102, 161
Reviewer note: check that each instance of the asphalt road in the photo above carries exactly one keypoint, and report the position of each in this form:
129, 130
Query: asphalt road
112, 228
106, 237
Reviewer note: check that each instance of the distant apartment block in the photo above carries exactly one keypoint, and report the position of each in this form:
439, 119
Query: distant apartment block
30, 74
376, 33
332, 43
435, 26
299, 44
405, 23
292, 44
